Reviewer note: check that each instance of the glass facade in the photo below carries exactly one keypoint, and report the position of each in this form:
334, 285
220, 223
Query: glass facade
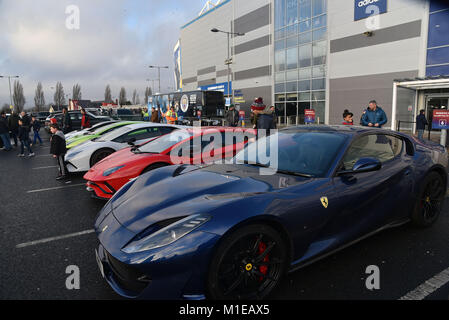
300, 58
438, 39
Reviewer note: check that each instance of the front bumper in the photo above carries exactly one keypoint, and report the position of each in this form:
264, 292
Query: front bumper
177, 271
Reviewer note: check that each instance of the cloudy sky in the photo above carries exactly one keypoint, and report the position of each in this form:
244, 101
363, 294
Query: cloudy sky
116, 42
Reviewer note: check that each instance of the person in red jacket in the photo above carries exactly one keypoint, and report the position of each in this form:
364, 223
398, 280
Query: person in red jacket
347, 118
85, 122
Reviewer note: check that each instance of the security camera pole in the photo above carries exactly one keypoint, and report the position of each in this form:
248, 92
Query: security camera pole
9, 78
229, 61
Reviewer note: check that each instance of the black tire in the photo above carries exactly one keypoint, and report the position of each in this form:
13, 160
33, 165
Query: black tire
154, 166
248, 264
430, 201
100, 155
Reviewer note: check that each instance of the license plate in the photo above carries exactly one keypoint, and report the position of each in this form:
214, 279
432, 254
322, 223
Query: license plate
100, 264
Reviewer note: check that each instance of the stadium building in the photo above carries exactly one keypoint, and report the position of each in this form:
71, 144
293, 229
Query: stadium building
326, 55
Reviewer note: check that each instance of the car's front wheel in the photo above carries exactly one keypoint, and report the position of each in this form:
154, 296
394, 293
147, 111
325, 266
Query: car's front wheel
430, 201
248, 264
100, 155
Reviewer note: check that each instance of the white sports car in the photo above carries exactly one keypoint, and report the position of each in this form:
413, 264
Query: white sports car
84, 156
79, 133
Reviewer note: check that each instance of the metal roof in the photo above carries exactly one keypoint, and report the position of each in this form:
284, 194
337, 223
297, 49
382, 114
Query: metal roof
436, 82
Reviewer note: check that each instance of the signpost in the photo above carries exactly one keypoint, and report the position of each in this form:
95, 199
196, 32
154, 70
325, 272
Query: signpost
310, 116
441, 121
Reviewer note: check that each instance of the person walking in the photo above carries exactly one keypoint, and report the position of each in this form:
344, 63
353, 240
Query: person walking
24, 137
232, 117
421, 123
58, 150
275, 117
36, 125
374, 116
4, 132
13, 124
85, 121
66, 121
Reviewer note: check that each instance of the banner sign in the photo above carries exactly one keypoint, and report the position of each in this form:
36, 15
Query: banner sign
366, 8
440, 119
309, 116
223, 87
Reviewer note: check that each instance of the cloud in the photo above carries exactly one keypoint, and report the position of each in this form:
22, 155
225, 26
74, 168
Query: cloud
115, 44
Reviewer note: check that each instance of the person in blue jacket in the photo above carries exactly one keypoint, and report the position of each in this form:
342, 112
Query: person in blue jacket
374, 116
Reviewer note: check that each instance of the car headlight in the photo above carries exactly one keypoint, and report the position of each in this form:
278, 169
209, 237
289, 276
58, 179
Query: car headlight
110, 171
167, 235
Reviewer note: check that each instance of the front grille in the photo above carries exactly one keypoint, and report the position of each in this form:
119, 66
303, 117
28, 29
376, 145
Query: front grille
128, 277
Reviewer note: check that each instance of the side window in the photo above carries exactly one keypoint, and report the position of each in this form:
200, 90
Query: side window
381, 147
165, 130
138, 134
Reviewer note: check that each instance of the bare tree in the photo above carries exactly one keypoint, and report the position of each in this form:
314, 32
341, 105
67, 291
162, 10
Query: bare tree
39, 98
148, 93
59, 97
76, 92
107, 94
18, 96
122, 96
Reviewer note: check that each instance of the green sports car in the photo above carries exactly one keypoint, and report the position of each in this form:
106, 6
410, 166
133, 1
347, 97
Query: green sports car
88, 136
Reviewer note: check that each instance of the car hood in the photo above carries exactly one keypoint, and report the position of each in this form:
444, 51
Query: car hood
119, 158
178, 191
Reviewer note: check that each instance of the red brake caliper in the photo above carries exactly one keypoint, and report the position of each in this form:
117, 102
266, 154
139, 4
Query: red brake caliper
263, 269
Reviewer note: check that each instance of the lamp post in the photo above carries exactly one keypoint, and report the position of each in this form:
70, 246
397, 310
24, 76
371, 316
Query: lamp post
159, 73
9, 79
229, 61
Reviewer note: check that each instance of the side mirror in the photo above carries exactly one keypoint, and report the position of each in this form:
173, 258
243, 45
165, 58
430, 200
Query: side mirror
131, 141
364, 165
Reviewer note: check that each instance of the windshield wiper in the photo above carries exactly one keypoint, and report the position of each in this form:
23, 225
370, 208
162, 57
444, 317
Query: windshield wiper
293, 173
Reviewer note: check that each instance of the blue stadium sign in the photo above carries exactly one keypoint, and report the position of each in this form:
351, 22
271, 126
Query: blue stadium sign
366, 8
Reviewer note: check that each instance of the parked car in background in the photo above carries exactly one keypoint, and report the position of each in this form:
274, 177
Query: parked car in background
86, 155
110, 174
88, 136
78, 133
76, 117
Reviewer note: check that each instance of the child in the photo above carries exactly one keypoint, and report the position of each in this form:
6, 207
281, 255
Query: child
24, 137
36, 125
347, 118
58, 150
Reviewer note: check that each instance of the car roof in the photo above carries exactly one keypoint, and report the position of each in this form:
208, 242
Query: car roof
348, 130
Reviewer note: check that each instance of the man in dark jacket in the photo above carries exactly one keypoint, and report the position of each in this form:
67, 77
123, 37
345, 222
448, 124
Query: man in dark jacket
4, 132
421, 123
58, 150
13, 124
232, 117
24, 137
154, 115
374, 116
66, 121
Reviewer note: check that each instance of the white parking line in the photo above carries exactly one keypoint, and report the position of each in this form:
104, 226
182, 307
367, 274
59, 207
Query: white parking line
41, 168
428, 287
56, 188
72, 235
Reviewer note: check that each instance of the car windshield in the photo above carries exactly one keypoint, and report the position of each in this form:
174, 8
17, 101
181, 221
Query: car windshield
163, 143
302, 153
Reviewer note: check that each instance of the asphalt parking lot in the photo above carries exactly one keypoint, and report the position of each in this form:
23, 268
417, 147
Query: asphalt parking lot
46, 226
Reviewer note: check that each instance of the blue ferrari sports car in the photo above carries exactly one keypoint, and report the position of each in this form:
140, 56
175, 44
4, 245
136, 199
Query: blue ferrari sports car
226, 231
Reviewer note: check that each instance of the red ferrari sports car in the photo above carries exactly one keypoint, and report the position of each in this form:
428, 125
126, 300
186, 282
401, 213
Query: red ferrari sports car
189, 146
